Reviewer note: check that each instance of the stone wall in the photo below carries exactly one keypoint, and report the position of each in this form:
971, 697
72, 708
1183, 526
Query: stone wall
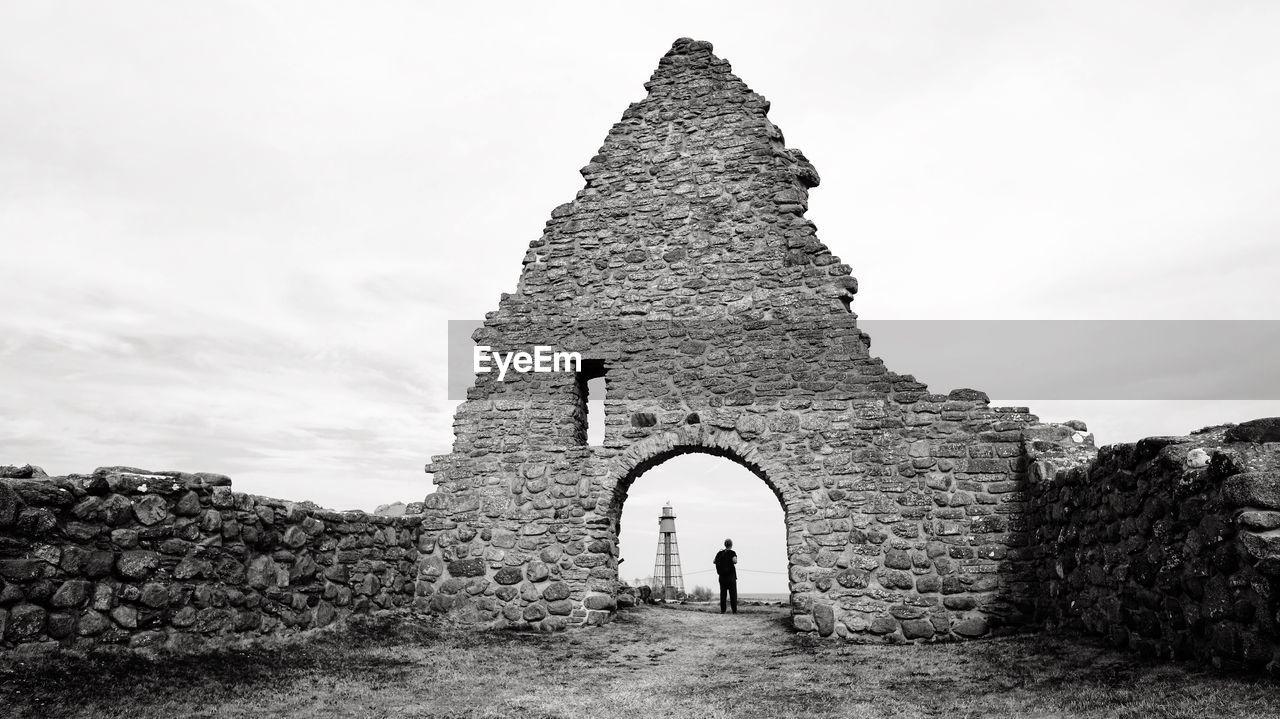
909, 524
1169, 546
687, 275
146, 559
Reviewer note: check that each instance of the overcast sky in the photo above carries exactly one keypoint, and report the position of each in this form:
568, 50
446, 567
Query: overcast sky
232, 233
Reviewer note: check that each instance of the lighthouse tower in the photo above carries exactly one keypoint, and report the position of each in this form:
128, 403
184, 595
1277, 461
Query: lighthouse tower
667, 578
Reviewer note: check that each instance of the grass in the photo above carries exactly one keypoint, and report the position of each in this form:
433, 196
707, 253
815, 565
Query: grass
652, 662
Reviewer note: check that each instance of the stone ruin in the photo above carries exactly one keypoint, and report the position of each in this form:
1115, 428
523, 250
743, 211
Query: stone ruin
688, 277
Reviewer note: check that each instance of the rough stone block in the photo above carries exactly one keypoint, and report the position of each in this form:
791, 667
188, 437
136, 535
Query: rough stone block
60, 625
824, 618
26, 622
22, 570
72, 593
1261, 545
1253, 489
917, 629
10, 505
534, 612
555, 590
897, 559
151, 510
1259, 521
1266, 429
137, 564
474, 567
971, 627
883, 625
508, 575
40, 492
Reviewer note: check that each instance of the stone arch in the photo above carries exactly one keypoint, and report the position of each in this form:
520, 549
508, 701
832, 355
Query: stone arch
701, 439
709, 306
693, 439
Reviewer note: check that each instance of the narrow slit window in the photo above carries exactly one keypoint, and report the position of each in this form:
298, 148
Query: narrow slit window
591, 393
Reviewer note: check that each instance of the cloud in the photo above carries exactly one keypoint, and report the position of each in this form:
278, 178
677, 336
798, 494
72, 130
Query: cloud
233, 237
183, 385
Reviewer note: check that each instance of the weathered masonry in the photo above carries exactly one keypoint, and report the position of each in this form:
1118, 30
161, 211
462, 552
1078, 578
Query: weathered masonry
688, 277
687, 274
127, 557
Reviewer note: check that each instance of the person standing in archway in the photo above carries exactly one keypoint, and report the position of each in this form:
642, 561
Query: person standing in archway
725, 560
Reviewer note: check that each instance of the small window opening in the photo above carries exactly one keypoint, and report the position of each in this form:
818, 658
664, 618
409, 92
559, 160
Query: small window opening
591, 395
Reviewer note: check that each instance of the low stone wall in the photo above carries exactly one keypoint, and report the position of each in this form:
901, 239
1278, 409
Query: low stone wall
147, 559
1169, 546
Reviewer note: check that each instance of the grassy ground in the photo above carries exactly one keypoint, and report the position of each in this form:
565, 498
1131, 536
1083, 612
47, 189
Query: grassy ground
652, 662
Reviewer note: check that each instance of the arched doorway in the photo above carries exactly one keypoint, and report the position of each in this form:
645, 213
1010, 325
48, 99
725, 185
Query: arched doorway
714, 494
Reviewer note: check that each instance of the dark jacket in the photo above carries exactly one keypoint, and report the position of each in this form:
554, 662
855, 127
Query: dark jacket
724, 564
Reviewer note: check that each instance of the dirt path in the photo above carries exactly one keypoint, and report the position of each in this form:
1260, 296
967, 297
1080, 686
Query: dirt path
679, 651
652, 662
